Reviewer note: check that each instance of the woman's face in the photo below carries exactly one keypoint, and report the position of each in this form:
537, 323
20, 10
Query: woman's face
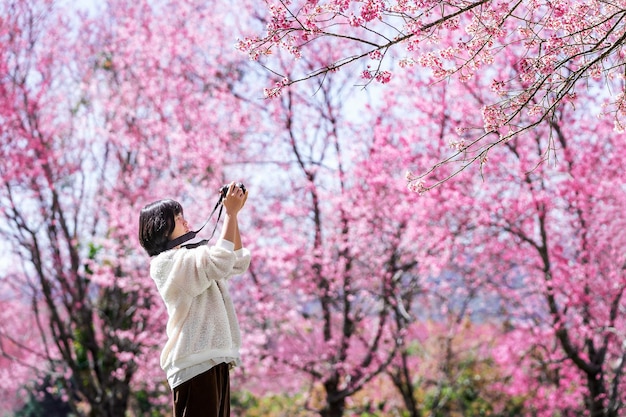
180, 227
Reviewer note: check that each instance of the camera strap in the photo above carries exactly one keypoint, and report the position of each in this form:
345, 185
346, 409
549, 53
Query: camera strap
190, 235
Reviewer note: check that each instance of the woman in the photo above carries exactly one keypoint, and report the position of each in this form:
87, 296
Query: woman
203, 337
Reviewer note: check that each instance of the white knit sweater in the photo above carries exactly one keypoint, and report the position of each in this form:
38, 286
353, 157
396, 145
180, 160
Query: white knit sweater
202, 327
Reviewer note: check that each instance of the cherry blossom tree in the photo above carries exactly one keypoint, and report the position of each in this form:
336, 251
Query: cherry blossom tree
559, 50
456, 308
539, 245
569, 269
136, 108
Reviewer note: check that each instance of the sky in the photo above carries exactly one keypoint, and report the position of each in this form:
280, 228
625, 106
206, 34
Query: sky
89, 5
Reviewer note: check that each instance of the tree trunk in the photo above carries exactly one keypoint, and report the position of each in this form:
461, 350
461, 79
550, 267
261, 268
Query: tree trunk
115, 403
596, 399
335, 400
402, 380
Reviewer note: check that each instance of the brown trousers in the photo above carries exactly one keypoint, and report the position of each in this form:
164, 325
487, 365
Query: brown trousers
205, 395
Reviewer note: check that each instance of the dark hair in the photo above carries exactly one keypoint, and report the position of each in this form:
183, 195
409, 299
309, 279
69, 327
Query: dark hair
156, 224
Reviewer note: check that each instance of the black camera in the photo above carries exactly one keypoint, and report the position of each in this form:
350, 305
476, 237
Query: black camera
224, 189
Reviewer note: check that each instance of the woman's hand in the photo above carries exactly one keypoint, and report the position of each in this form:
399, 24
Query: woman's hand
233, 202
235, 199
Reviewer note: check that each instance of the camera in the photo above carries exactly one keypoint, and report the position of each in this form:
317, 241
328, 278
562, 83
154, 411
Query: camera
224, 189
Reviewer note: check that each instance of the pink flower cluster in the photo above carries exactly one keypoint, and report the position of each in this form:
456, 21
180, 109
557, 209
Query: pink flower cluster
493, 117
382, 77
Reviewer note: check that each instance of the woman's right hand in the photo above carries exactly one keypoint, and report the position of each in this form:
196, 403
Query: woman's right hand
235, 199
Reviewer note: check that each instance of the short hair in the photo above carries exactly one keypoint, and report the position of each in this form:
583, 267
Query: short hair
156, 223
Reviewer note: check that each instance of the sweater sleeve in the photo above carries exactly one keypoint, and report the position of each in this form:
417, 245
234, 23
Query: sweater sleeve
242, 257
197, 268
242, 261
